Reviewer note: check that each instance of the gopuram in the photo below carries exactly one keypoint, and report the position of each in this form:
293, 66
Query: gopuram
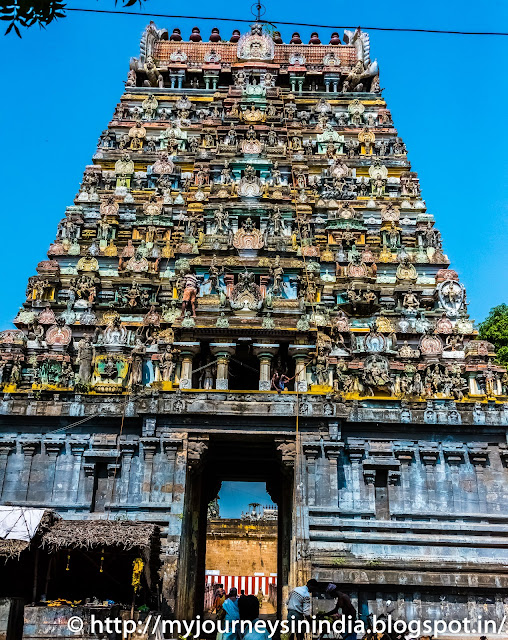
249, 286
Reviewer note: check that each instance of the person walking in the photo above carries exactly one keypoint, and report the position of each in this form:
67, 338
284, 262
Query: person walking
230, 606
249, 610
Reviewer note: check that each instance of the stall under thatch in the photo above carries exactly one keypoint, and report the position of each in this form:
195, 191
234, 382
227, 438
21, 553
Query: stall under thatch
92, 534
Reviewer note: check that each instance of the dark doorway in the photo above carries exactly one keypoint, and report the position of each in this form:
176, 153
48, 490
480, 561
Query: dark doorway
237, 458
243, 369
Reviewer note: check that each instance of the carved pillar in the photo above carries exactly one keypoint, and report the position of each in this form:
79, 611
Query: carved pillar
89, 471
222, 352
405, 455
6, 446
29, 448
312, 452
472, 384
114, 477
332, 453
300, 353
53, 448
429, 455
78, 447
356, 451
170, 448
149, 449
479, 456
265, 353
127, 449
454, 456
188, 351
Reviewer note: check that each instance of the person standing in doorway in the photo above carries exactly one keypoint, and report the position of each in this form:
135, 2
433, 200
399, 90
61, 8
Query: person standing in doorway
299, 605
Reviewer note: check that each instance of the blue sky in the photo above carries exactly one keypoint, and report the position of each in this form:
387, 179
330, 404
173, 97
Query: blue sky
234, 497
447, 94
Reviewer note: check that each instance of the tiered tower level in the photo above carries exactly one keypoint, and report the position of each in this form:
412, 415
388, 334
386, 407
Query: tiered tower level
275, 172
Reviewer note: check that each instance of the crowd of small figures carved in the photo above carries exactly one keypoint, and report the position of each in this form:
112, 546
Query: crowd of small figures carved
293, 201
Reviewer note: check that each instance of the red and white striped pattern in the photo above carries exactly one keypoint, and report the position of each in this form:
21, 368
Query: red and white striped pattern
250, 584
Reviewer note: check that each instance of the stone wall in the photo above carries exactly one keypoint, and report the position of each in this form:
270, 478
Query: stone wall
239, 548
413, 512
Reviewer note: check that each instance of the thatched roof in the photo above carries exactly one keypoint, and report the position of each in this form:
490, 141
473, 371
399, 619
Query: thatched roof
90, 534
12, 548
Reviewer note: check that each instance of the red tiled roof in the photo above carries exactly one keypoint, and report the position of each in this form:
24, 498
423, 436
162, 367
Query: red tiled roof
196, 51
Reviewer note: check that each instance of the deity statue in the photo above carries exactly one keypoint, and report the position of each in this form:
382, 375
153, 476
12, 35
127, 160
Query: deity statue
214, 272
154, 76
272, 139
276, 225
149, 106
225, 174
275, 175
137, 355
277, 274
137, 134
167, 363
410, 300
221, 220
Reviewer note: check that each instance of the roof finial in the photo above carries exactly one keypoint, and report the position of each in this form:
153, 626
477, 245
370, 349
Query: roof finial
258, 10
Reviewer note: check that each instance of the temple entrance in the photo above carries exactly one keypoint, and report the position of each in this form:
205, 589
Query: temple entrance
241, 547
245, 464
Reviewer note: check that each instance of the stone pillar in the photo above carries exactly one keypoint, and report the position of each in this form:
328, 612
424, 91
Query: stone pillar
454, 457
479, 456
29, 448
472, 384
265, 353
404, 455
53, 448
127, 448
312, 452
149, 448
300, 353
222, 352
170, 448
188, 351
6, 446
89, 471
356, 451
429, 455
332, 453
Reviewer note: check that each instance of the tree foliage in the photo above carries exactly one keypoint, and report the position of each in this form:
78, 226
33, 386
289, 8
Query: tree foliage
495, 329
24, 14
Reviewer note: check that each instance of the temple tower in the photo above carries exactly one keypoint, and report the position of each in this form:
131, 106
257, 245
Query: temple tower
248, 285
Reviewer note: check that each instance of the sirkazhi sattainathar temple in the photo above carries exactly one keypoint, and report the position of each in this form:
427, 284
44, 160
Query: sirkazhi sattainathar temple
248, 286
